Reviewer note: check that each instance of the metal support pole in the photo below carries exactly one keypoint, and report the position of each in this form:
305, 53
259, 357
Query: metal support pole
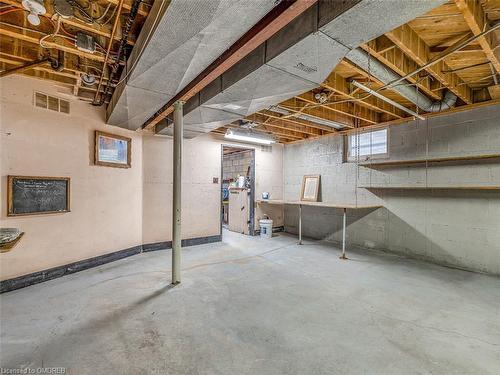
300, 224
176, 206
344, 224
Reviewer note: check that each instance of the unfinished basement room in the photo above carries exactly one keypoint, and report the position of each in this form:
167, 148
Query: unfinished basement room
250, 187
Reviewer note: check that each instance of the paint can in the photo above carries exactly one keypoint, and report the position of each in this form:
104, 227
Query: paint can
266, 228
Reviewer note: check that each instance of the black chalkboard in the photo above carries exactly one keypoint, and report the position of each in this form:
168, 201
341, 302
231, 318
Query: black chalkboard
37, 195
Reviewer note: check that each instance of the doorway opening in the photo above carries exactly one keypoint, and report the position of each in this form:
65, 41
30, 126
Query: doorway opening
238, 189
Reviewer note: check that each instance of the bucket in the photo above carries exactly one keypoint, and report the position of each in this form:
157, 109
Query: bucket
241, 181
266, 228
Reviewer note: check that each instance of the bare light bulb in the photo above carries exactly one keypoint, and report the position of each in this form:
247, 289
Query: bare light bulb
33, 19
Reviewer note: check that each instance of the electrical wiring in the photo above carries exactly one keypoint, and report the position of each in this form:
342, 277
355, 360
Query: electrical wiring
56, 31
142, 48
97, 20
110, 17
66, 32
11, 10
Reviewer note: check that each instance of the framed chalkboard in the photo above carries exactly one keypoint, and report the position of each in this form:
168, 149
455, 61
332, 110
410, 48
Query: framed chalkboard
28, 195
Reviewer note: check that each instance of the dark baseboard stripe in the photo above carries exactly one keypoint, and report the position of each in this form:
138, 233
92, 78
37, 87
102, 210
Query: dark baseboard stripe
53, 273
186, 242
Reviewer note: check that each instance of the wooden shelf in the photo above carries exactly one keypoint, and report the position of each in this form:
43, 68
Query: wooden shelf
317, 204
8, 246
390, 163
433, 187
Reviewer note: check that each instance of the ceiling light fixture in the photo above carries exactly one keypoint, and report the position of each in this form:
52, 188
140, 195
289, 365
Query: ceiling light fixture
306, 117
36, 8
246, 135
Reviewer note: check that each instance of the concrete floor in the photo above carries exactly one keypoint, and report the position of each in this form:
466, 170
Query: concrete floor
252, 306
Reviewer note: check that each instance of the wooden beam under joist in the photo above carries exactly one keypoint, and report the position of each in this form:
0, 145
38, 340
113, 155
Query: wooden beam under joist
415, 47
476, 20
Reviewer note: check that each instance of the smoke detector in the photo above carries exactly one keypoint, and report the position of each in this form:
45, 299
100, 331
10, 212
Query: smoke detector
35, 7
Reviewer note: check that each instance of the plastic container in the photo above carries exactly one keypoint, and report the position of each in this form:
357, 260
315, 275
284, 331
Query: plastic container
266, 228
241, 181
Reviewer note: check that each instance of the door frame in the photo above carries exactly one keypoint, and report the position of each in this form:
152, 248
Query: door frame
251, 228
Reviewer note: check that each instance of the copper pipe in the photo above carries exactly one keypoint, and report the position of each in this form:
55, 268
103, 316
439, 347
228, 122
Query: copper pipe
115, 25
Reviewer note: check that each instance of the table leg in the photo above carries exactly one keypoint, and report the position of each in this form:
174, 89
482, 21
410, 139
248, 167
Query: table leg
344, 224
300, 224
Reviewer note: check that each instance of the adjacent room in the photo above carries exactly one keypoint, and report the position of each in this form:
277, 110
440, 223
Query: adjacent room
221, 187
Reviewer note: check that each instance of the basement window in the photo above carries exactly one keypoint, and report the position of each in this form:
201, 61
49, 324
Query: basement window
370, 145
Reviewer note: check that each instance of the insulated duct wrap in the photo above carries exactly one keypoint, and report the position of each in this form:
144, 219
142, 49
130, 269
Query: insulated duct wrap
362, 59
296, 59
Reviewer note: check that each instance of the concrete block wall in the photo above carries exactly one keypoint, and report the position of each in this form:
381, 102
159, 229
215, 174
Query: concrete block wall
460, 228
237, 164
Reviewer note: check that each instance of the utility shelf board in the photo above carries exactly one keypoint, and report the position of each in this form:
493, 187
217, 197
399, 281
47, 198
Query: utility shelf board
433, 187
318, 204
389, 163
8, 246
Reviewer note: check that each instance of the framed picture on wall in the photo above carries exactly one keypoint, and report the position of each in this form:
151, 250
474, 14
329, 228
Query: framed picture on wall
112, 150
310, 188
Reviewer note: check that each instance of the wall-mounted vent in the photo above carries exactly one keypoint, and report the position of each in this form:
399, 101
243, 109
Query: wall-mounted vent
51, 102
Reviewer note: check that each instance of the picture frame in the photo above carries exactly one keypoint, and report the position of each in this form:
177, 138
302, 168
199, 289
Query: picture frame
310, 188
112, 150
33, 189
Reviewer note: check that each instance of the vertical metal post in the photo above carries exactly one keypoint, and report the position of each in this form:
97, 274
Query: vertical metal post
344, 224
300, 224
176, 200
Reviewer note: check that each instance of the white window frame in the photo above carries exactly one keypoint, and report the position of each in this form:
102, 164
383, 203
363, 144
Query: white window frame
351, 157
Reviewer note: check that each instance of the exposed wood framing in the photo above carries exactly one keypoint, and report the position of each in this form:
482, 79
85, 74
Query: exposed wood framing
338, 84
395, 59
476, 19
61, 44
412, 45
104, 31
343, 108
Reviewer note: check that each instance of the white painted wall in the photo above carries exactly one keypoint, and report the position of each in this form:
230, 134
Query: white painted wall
106, 203
201, 197
111, 208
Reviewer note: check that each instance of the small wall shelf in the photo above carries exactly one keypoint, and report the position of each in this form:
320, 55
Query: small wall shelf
390, 163
8, 246
486, 187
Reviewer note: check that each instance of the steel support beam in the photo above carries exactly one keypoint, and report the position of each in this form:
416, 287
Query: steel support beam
177, 185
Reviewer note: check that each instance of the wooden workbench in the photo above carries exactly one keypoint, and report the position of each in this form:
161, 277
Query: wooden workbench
343, 206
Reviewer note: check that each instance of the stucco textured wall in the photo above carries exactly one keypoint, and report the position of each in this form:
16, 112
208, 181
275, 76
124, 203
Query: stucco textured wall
106, 203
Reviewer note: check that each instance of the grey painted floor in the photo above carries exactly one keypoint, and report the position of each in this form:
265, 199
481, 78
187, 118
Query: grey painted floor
252, 306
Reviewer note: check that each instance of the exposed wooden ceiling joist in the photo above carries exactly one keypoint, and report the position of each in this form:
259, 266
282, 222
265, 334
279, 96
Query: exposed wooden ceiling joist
104, 31
415, 47
396, 60
476, 19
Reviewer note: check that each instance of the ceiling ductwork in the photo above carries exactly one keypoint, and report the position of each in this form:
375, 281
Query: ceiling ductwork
178, 41
296, 59
385, 75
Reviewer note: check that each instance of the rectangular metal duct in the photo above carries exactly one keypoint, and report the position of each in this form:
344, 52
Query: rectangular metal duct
188, 35
294, 60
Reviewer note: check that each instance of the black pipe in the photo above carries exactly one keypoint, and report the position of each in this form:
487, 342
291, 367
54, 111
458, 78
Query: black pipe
123, 42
